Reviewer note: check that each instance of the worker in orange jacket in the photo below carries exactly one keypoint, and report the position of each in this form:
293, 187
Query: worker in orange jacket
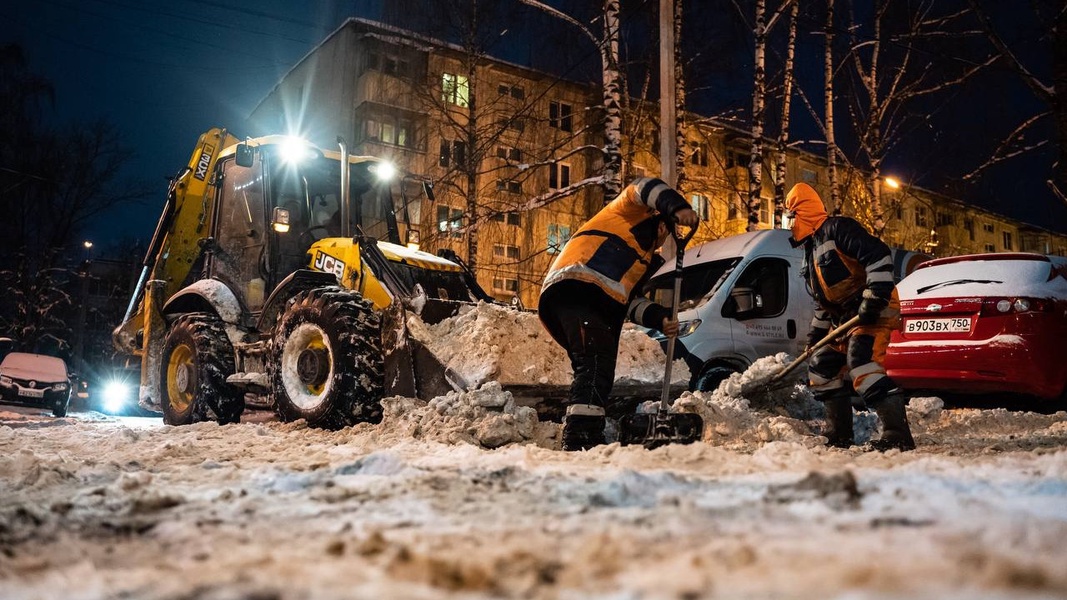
850, 273
591, 288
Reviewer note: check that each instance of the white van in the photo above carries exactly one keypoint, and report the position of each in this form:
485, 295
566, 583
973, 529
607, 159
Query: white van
743, 297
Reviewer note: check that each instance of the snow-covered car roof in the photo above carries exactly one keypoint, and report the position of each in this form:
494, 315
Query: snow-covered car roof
1014, 274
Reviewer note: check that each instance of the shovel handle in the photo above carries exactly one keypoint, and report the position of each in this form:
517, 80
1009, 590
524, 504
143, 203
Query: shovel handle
835, 333
680, 243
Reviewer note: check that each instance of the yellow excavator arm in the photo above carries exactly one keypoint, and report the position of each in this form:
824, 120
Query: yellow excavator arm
176, 243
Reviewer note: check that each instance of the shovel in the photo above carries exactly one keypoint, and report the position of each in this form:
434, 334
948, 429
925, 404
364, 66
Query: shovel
664, 427
775, 381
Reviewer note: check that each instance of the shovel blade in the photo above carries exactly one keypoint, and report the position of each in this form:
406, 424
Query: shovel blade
653, 430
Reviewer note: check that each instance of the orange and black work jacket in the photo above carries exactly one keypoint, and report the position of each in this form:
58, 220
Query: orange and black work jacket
616, 249
843, 264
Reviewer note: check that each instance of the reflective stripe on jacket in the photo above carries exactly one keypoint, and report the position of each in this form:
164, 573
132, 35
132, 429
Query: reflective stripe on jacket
615, 248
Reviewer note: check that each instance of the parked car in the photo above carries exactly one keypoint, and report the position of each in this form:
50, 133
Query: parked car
743, 297
35, 380
981, 324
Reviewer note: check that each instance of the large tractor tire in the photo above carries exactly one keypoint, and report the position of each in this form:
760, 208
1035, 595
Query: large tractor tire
326, 364
197, 358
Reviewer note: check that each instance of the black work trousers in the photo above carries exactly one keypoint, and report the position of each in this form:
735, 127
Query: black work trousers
587, 323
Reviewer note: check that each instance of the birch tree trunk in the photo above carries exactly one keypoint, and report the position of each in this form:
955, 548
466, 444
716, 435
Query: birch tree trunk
679, 99
612, 82
783, 135
874, 141
755, 160
471, 170
828, 99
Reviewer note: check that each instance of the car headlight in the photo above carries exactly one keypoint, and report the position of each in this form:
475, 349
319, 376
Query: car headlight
6, 381
687, 327
60, 387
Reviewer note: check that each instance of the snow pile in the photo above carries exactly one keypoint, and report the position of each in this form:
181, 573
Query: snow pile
487, 417
746, 409
491, 342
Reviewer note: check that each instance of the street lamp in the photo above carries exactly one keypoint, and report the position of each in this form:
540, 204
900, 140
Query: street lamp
88, 249
892, 183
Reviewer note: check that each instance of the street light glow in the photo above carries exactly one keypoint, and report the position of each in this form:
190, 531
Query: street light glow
88, 244
893, 183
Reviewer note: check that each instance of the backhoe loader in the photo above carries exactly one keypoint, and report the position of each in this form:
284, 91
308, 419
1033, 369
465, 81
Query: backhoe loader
275, 278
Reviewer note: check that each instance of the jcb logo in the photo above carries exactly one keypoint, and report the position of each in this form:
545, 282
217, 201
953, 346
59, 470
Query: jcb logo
329, 264
204, 162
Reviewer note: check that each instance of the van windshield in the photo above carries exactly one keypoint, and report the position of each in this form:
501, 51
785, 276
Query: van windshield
698, 282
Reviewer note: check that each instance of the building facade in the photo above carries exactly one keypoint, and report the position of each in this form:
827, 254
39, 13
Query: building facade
507, 149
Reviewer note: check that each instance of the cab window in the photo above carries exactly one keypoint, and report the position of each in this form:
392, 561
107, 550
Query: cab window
761, 291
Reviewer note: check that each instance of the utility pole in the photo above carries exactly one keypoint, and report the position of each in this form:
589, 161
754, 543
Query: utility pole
668, 143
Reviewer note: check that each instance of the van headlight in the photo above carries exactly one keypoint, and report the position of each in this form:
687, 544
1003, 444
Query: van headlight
687, 327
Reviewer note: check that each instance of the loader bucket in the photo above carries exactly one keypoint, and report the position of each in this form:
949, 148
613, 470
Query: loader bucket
436, 310
411, 370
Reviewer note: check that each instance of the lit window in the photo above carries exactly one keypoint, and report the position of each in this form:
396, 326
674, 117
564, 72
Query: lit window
455, 89
449, 220
701, 206
557, 237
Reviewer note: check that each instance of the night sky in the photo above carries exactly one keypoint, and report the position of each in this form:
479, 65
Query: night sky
164, 72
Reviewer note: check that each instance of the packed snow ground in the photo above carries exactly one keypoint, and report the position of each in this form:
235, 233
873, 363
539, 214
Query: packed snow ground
467, 497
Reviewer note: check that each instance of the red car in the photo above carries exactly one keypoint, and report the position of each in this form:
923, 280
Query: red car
983, 323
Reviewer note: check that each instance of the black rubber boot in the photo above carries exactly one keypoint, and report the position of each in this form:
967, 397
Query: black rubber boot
583, 427
896, 434
838, 405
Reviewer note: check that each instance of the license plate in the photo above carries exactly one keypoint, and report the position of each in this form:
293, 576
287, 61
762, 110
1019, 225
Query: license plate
952, 325
31, 393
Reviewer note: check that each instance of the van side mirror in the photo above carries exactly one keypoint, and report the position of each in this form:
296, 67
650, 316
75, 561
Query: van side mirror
244, 155
744, 303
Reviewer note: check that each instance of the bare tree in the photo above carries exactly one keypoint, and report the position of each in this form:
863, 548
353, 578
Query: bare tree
1053, 16
52, 184
889, 72
607, 43
783, 133
762, 26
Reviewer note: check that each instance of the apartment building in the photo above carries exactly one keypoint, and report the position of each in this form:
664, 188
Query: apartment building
498, 141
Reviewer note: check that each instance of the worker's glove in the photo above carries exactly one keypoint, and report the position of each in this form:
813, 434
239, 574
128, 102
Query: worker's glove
814, 337
870, 310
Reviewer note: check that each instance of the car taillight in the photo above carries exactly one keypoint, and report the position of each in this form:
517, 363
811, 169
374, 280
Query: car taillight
1014, 305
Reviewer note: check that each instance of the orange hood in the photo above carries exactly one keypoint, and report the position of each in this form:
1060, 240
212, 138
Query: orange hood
807, 208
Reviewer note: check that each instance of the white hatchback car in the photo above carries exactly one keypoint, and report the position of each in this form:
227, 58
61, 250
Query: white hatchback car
35, 380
